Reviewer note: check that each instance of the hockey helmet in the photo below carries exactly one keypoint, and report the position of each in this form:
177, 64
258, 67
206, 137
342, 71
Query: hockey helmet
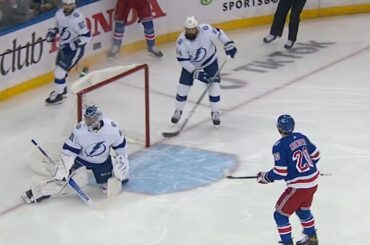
190, 22
68, 1
285, 124
92, 116
68, 6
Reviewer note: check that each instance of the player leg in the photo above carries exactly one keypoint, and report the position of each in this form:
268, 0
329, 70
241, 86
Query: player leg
307, 220
297, 7
103, 174
144, 12
64, 63
279, 20
44, 189
287, 204
186, 81
214, 93
150, 38
60, 91
122, 10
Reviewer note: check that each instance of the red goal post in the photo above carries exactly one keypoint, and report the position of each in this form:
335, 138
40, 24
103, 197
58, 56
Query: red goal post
100, 78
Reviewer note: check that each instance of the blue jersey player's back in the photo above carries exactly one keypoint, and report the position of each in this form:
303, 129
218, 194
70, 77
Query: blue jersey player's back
295, 161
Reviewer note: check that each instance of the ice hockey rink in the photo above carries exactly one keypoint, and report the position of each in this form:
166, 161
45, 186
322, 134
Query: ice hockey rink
323, 83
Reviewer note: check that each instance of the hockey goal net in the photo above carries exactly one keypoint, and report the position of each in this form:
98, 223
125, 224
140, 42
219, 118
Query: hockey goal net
121, 93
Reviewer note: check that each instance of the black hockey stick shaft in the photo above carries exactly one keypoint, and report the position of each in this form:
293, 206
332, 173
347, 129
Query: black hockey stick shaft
43, 152
175, 133
255, 176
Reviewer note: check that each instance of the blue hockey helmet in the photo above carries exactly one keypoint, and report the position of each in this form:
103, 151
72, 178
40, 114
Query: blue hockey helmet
285, 124
92, 116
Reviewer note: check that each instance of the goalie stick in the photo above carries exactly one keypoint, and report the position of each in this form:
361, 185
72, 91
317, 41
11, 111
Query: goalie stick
71, 182
210, 81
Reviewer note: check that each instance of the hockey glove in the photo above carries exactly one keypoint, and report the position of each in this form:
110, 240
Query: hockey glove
121, 167
51, 35
230, 49
62, 168
201, 76
262, 178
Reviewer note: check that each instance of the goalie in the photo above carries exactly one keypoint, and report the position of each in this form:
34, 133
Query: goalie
87, 149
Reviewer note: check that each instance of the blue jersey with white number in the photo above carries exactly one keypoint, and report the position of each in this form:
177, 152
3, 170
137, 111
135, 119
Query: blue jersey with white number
295, 161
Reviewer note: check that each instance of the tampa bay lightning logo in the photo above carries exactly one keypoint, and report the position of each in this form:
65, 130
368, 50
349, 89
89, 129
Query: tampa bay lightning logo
200, 54
65, 34
95, 149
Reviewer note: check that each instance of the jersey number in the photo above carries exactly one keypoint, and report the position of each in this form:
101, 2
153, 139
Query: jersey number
303, 160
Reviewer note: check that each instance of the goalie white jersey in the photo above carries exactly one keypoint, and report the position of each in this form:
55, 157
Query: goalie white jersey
200, 52
94, 146
72, 27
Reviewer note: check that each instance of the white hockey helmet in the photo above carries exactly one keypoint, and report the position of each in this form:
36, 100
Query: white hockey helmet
190, 22
68, 1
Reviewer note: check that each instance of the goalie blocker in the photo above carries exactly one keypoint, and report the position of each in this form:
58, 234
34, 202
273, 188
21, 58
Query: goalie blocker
87, 149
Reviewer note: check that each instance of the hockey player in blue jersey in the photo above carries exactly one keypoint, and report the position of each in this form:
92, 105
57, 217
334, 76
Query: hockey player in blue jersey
74, 35
295, 161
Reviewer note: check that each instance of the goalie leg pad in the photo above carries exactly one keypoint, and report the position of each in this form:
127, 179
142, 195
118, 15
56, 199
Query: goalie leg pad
44, 189
114, 187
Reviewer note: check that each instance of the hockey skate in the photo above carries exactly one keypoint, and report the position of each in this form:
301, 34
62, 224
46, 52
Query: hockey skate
308, 240
28, 197
289, 243
113, 51
55, 98
215, 116
176, 116
269, 38
153, 51
289, 44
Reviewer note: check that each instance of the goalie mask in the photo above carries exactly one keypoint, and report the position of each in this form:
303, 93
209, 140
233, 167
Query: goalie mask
191, 28
93, 117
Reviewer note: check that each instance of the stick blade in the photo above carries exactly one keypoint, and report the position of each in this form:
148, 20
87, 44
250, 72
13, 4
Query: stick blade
170, 134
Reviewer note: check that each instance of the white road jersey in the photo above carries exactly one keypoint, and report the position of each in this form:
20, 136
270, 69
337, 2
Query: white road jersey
200, 52
94, 147
72, 27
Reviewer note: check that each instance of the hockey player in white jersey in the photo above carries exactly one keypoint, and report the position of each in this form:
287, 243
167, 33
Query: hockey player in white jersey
88, 148
74, 35
196, 53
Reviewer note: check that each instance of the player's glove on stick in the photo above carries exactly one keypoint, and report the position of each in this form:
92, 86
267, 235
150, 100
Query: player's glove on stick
230, 49
51, 35
201, 76
262, 178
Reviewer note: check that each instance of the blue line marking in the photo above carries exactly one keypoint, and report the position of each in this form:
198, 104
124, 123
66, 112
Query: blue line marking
167, 168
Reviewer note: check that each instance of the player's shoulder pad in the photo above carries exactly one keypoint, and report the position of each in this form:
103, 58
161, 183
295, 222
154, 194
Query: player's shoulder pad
205, 27
76, 13
114, 124
179, 41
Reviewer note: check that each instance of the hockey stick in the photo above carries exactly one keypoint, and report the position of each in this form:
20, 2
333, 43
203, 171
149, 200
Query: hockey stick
255, 177
71, 182
175, 133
